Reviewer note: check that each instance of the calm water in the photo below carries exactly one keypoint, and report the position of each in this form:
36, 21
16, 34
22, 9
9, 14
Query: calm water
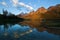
28, 31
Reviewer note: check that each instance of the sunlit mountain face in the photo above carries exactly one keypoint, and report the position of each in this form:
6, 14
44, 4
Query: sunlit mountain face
29, 19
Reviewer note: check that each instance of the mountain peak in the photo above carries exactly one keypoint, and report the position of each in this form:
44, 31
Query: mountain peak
58, 5
42, 10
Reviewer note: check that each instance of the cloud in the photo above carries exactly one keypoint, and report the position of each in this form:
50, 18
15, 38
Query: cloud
3, 3
25, 5
17, 3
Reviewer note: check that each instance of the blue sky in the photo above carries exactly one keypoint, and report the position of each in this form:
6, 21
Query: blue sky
17, 6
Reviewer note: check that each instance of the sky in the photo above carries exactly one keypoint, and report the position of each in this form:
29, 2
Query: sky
18, 6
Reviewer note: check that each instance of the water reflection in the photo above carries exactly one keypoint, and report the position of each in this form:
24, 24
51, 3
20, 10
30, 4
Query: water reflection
13, 30
28, 30
37, 25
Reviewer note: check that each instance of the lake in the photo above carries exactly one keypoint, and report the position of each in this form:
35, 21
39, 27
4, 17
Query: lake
28, 31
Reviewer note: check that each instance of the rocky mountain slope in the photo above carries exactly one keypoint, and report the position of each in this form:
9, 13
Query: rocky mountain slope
50, 16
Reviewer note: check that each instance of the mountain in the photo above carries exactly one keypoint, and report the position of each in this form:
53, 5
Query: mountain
34, 14
44, 17
51, 12
41, 10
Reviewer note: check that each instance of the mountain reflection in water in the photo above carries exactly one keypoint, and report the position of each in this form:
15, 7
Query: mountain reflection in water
28, 30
